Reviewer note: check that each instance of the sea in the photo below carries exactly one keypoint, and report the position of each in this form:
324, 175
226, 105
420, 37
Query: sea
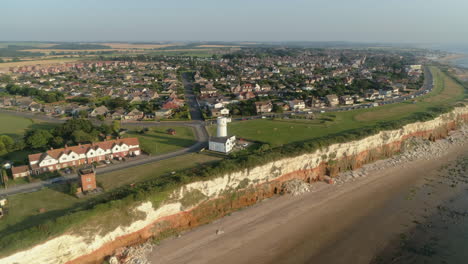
460, 49
439, 236
461, 62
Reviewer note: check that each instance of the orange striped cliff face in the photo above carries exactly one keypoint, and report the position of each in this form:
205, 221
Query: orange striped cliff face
229, 192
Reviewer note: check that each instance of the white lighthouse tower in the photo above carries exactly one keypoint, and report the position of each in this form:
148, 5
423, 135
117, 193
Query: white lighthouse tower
222, 142
222, 127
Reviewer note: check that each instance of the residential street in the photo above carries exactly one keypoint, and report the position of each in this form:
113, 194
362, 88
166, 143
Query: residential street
197, 125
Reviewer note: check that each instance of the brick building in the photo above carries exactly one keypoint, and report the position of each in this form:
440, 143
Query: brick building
87, 178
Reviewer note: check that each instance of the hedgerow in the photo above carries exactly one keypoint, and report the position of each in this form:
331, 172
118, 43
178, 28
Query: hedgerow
157, 190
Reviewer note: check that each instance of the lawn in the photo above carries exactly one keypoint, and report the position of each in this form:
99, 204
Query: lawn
14, 125
278, 132
158, 141
144, 172
28, 209
25, 210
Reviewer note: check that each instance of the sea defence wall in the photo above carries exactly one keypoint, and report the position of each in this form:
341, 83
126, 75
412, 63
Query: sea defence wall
201, 202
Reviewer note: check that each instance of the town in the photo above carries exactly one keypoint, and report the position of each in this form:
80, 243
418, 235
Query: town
98, 129
245, 83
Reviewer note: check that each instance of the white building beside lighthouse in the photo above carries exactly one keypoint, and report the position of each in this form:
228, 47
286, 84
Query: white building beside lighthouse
222, 142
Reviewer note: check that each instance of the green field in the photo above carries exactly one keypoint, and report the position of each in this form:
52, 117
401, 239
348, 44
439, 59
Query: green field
144, 172
13, 125
158, 141
279, 132
29, 209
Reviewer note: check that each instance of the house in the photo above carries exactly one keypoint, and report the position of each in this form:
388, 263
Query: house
99, 111
24, 102
246, 96
385, 93
331, 100
135, 114
208, 90
56, 159
5, 102
371, 94
20, 171
87, 176
173, 103
283, 106
48, 109
346, 100
297, 104
317, 103
263, 106
222, 144
215, 112
118, 114
34, 107
163, 113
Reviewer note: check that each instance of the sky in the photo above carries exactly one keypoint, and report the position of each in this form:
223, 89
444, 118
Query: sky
397, 21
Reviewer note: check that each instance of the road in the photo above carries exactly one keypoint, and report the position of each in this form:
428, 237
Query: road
426, 88
197, 123
191, 99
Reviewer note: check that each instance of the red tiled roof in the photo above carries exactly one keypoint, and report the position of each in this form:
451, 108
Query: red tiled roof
81, 149
19, 169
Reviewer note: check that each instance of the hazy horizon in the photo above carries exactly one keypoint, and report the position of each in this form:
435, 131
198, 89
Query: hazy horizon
362, 21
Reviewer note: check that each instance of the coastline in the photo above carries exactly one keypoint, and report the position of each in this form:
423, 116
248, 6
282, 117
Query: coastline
321, 226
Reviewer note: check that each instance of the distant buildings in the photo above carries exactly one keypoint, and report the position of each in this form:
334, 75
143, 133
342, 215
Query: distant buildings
297, 104
263, 106
332, 100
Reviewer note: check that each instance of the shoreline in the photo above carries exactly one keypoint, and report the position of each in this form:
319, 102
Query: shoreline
300, 229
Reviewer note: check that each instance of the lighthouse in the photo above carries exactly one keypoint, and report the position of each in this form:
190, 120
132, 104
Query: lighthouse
222, 127
222, 142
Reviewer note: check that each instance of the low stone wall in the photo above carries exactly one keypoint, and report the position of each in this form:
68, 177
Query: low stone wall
201, 202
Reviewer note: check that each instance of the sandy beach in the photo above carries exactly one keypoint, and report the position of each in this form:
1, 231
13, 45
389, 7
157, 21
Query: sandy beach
341, 223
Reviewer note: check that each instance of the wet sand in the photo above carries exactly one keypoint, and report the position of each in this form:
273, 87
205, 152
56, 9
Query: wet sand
349, 223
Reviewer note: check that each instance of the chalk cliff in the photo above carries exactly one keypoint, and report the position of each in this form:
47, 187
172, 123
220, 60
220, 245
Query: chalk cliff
201, 202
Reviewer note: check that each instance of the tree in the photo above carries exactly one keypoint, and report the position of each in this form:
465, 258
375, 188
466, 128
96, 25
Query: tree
3, 149
57, 142
277, 109
80, 136
8, 143
38, 138
116, 126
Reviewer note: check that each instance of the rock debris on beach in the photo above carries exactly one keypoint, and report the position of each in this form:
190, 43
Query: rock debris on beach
413, 149
133, 255
296, 187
